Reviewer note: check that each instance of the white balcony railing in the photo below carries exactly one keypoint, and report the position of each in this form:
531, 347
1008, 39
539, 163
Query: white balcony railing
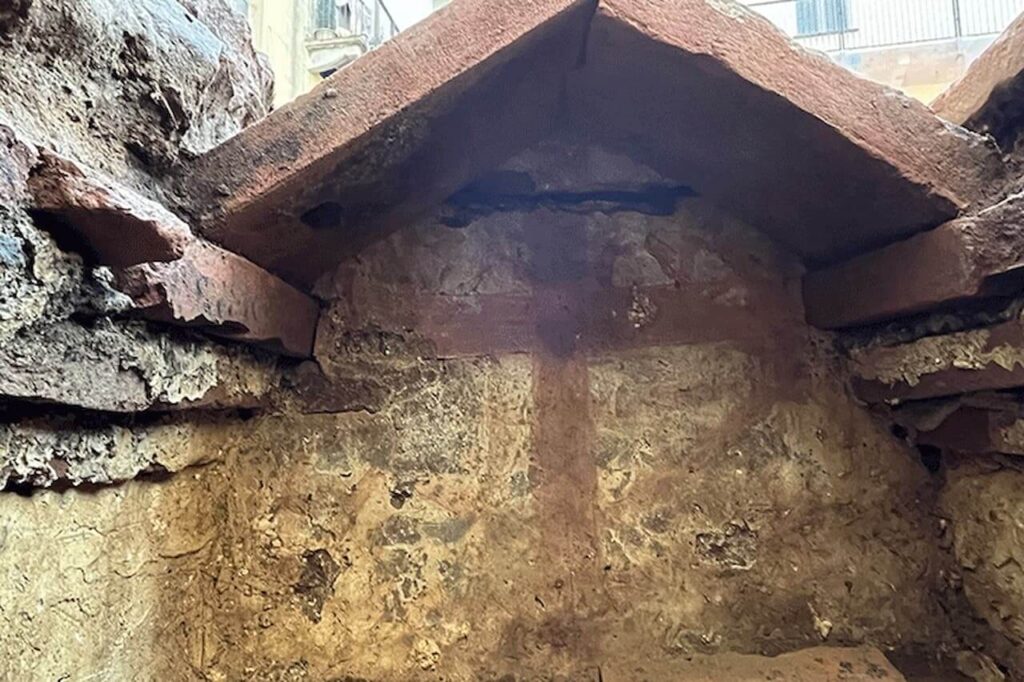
839, 25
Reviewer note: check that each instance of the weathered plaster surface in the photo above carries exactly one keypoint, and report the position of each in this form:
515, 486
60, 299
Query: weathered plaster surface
507, 501
551, 444
419, 542
112, 584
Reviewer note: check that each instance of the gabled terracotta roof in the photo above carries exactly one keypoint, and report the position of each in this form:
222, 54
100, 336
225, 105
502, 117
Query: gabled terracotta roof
704, 91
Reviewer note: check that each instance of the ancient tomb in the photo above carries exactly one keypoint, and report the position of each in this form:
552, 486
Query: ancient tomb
553, 340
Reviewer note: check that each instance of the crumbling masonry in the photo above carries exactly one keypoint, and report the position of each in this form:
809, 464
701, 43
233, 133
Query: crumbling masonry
554, 340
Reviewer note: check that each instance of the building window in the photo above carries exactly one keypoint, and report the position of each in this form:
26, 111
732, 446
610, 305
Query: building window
332, 15
326, 15
821, 16
344, 14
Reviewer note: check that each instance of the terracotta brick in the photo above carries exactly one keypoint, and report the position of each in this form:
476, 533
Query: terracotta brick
972, 257
118, 226
225, 295
713, 95
174, 276
818, 664
993, 79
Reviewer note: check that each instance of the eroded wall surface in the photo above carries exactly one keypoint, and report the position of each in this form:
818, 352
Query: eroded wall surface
577, 430
130, 87
99, 580
571, 425
114, 583
87, 80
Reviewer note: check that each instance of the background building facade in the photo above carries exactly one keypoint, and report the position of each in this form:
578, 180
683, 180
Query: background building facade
306, 40
917, 46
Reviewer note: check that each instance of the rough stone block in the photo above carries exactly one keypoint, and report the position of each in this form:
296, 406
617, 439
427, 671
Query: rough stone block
963, 259
40, 284
131, 87
49, 451
122, 367
965, 362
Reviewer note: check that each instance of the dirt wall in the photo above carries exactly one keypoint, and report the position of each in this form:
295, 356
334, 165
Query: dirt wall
981, 499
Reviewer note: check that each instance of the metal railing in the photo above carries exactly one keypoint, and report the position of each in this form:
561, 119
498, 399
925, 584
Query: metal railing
839, 25
367, 18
